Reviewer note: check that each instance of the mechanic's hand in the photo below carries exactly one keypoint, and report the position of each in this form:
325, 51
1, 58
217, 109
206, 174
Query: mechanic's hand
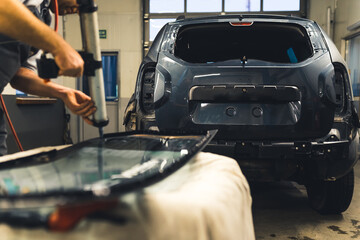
66, 7
68, 60
80, 104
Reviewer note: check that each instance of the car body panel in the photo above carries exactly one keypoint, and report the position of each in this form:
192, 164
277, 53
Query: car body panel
314, 121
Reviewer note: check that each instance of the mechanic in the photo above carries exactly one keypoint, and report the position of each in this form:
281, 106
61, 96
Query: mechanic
17, 59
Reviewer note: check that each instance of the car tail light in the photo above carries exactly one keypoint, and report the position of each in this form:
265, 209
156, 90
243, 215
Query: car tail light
241, 24
340, 95
147, 90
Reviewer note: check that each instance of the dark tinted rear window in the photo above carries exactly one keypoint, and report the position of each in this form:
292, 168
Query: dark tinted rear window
214, 42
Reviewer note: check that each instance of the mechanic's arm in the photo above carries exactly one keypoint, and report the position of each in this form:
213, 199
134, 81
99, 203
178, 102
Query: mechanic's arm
19, 23
79, 103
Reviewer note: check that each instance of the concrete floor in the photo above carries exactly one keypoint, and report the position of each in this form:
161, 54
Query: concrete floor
281, 211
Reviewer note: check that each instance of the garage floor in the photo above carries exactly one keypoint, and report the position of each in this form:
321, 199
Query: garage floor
281, 211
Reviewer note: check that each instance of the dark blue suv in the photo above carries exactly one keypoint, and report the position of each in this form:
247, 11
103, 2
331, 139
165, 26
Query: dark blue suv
275, 87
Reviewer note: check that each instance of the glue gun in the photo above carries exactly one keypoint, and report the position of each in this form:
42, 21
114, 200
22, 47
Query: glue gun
91, 55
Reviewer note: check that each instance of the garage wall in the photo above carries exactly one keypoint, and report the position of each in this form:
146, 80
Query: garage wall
344, 14
122, 19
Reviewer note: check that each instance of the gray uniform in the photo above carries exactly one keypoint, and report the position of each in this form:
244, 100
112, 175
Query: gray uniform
15, 54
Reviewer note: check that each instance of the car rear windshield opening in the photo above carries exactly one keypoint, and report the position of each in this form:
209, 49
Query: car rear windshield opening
214, 42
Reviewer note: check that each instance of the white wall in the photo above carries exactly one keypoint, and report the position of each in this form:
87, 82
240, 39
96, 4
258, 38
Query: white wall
345, 13
123, 21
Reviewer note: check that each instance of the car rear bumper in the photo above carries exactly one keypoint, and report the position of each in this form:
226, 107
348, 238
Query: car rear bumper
291, 160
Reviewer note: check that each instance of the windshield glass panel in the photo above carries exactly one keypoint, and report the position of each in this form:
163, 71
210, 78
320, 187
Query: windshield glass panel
100, 167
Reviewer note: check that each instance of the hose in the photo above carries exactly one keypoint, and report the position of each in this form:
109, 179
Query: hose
10, 123
56, 8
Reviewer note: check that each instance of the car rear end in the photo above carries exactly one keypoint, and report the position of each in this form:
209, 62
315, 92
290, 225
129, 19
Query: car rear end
251, 78
271, 85
275, 87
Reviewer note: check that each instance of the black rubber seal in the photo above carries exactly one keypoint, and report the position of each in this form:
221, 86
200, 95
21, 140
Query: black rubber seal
101, 124
87, 6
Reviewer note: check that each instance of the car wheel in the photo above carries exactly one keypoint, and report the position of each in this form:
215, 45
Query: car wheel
331, 197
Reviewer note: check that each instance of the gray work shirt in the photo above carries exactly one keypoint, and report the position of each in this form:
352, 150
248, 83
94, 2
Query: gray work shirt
15, 54
32, 2
36, 3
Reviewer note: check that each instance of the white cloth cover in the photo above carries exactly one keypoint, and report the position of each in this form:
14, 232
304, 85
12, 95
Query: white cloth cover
208, 198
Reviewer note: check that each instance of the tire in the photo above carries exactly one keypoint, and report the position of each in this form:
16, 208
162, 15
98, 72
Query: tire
331, 197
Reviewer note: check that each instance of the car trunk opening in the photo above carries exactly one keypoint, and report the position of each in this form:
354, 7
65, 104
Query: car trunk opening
215, 42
